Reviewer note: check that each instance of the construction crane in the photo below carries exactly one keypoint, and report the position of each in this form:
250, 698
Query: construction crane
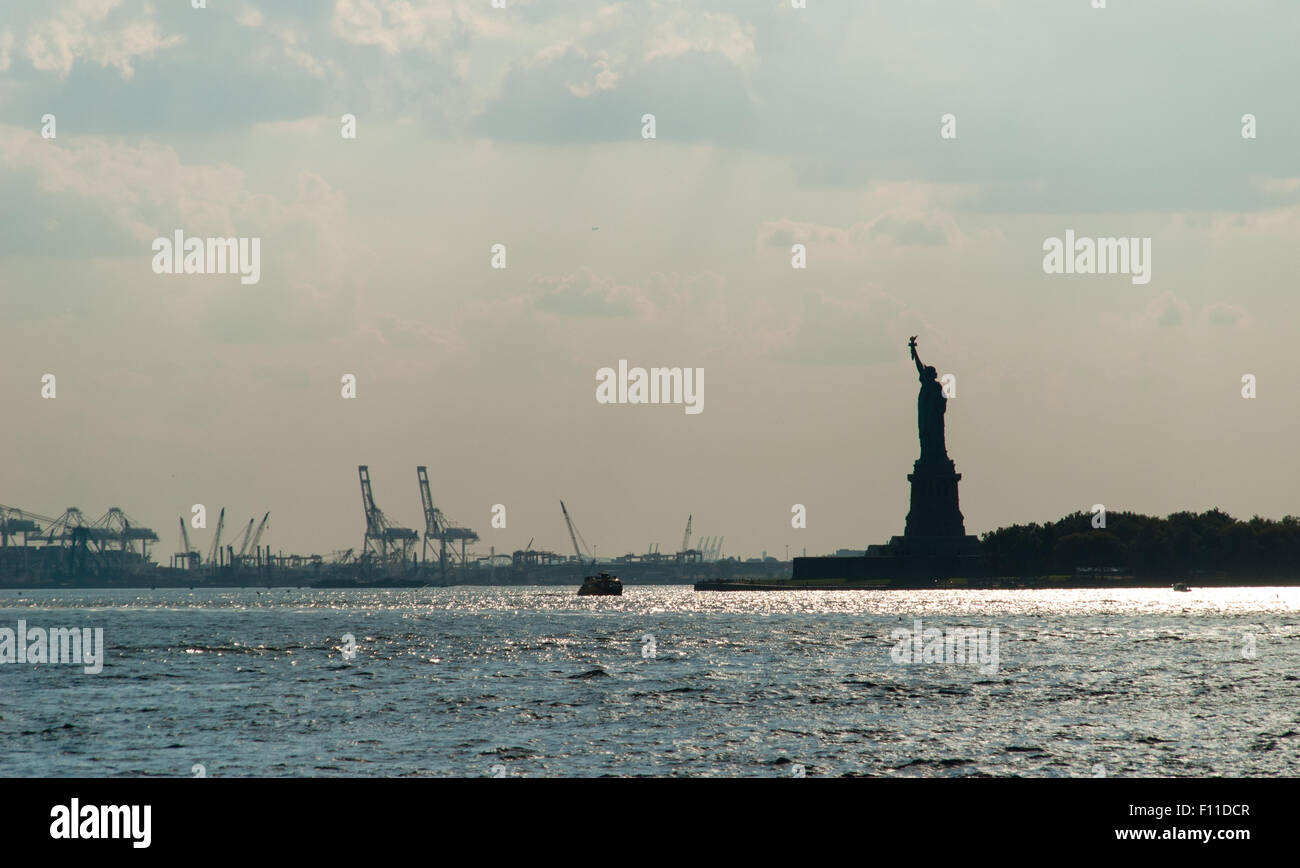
257, 536
575, 535
438, 527
244, 538
686, 537
214, 556
187, 556
384, 542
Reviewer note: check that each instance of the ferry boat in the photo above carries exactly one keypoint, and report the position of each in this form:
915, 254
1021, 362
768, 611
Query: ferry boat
602, 584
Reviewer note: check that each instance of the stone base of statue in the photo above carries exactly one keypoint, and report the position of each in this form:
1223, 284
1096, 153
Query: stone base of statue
934, 546
934, 512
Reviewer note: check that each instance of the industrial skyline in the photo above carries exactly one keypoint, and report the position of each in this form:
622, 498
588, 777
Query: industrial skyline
444, 257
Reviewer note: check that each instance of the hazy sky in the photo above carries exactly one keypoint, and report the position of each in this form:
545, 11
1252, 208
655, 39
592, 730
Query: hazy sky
478, 126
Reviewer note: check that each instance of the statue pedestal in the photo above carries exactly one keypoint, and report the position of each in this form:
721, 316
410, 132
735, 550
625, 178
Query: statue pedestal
934, 513
934, 546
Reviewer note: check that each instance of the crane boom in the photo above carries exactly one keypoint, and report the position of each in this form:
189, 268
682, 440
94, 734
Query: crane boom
216, 538
185, 537
573, 533
431, 514
686, 537
247, 535
257, 535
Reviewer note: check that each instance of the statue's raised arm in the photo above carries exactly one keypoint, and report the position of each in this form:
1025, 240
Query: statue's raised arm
920, 368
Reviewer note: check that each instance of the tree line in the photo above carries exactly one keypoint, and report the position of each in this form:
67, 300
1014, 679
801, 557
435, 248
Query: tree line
1182, 544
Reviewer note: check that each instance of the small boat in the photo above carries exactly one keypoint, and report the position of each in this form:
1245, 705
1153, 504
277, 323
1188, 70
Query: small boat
1181, 586
601, 585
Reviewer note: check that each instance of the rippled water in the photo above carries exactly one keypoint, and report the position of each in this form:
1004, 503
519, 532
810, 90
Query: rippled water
539, 682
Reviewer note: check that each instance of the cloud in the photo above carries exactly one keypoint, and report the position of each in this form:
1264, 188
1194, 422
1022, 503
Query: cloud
147, 189
1281, 222
1166, 310
1225, 315
836, 331
583, 293
249, 16
911, 215
82, 31
397, 25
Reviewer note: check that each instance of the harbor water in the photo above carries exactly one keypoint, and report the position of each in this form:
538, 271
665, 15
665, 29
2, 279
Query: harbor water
532, 682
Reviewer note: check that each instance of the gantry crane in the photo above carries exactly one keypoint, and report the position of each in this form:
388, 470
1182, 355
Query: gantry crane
438, 527
385, 545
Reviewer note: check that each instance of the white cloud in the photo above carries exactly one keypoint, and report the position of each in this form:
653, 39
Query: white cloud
482, 45
905, 215
147, 189
394, 25
82, 31
249, 16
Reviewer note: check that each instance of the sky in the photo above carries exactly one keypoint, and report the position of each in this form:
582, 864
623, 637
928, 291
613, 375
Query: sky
522, 126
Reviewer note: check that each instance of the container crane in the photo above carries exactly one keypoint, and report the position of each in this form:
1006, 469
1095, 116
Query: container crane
384, 542
438, 527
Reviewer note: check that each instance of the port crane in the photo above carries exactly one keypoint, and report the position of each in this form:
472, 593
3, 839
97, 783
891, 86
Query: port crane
106, 544
214, 556
188, 558
575, 535
602, 584
243, 541
440, 528
686, 554
385, 545
257, 535
249, 549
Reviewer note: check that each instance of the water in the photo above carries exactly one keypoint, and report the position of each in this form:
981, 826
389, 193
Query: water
538, 682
